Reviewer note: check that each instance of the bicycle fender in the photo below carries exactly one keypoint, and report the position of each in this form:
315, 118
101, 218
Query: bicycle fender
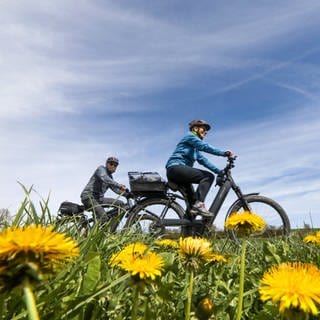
238, 200
251, 194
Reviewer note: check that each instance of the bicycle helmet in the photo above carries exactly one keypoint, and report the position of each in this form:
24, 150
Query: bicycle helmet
199, 123
113, 159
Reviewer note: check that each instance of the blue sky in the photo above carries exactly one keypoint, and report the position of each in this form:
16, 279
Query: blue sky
81, 80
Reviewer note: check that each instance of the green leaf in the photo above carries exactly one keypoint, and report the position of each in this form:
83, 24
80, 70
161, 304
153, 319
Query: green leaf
92, 276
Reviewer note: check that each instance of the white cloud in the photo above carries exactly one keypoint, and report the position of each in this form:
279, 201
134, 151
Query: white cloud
53, 53
67, 57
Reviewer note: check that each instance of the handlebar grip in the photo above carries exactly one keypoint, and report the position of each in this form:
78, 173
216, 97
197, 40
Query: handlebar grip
129, 195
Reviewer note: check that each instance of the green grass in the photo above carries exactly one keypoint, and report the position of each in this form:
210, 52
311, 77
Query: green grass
91, 289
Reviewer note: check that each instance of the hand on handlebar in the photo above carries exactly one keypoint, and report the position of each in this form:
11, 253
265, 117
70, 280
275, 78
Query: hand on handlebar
229, 154
128, 194
123, 188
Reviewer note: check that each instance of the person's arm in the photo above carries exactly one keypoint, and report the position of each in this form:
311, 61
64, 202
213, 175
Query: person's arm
200, 145
120, 188
113, 185
206, 163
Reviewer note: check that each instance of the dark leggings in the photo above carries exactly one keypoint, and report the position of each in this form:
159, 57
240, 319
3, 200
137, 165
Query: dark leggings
186, 176
98, 206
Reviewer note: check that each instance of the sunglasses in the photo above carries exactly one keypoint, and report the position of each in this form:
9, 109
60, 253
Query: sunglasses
113, 163
204, 130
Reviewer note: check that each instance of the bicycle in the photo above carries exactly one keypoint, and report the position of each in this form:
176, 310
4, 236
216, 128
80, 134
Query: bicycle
74, 217
164, 216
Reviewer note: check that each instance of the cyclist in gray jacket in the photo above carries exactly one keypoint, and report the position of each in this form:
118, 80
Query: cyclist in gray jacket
92, 196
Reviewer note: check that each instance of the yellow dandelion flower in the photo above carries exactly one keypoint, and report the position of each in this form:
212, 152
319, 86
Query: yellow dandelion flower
194, 248
293, 285
312, 238
145, 266
213, 257
133, 249
36, 243
167, 243
245, 222
27, 253
138, 260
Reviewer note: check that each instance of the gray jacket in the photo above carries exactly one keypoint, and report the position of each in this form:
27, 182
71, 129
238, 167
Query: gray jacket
99, 183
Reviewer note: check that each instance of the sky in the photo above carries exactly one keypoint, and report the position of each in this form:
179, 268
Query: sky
81, 80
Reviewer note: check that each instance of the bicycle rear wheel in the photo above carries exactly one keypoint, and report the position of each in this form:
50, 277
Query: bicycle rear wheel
277, 221
146, 217
75, 225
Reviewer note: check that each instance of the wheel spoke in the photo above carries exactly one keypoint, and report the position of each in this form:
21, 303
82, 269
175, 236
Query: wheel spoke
147, 216
277, 222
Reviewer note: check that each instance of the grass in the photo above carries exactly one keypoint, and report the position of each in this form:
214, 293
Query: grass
90, 288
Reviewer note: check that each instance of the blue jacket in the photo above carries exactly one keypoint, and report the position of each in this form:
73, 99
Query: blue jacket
188, 151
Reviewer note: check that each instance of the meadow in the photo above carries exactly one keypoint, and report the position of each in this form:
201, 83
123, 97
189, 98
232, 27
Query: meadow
131, 276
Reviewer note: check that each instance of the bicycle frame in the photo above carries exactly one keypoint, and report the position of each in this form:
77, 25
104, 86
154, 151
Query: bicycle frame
222, 193
225, 186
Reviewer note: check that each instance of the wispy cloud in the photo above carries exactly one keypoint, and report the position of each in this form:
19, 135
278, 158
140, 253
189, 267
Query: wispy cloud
80, 80
57, 55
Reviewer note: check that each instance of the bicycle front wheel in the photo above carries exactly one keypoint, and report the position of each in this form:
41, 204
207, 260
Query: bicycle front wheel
147, 215
277, 221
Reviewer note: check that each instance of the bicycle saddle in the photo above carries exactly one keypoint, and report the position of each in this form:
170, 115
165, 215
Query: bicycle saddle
177, 187
183, 190
173, 186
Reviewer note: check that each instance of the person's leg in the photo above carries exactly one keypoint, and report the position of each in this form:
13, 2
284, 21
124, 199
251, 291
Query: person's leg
191, 194
91, 204
205, 184
117, 204
185, 175
180, 177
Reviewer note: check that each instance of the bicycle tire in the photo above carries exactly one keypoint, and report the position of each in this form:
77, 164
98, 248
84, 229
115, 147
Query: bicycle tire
76, 225
277, 221
146, 217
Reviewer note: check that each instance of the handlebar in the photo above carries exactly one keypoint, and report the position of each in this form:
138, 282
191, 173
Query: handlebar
230, 163
129, 195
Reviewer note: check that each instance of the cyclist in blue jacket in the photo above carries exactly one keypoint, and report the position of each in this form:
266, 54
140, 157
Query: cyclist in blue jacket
180, 165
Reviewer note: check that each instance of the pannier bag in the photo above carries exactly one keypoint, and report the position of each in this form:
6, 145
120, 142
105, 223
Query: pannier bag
146, 183
69, 208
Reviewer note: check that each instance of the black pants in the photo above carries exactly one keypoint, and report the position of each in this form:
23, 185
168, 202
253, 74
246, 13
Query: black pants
186, 176
97, 206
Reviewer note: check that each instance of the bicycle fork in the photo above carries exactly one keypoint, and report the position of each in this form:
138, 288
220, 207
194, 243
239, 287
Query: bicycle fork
242, 198
222, 194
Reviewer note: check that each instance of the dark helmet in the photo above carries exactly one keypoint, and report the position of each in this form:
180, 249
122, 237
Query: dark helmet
199, 123
113, 159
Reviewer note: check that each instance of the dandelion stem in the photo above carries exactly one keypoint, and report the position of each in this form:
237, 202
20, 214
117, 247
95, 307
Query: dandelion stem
241, 281
30, 301
135, 303
189, 296
146, 309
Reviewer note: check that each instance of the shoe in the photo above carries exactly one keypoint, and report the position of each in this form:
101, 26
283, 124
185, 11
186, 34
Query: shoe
199, 208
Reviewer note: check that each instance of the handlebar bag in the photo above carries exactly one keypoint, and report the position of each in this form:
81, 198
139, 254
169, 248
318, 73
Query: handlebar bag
146, 183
